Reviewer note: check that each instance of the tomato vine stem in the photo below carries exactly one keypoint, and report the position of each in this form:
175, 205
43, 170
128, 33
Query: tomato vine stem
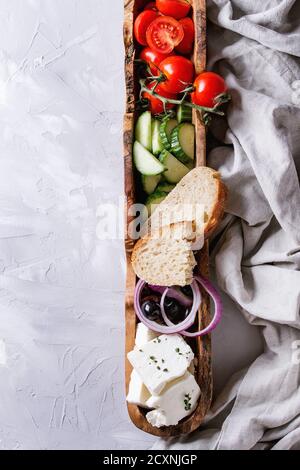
215, 110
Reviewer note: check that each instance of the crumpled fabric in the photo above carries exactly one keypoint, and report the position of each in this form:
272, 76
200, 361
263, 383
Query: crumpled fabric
255, 45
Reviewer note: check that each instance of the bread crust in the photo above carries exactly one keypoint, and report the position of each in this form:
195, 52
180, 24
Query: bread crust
219, 208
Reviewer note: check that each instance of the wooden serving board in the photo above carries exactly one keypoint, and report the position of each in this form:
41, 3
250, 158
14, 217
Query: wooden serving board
201, 347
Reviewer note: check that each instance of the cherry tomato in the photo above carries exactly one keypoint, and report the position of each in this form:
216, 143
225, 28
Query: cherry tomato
164, 34
179, 73
153, 59
208, 86
176, 8
187, 44
156, 105
151, 6
141, 25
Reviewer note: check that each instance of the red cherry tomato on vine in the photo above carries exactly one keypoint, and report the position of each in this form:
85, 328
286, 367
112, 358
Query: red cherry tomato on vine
156, 106
208, 86
176, 8
164, 34
151, 6
141, 25
153, 59
179, 73
187, 44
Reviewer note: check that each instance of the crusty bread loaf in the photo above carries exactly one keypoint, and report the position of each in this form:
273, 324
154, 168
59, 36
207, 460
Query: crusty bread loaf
164, 256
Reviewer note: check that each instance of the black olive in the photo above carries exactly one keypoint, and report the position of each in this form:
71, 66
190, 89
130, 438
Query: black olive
187, 290
170, 304
173, 310
151, 310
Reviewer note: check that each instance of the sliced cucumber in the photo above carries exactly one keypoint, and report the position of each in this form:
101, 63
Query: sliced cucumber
175, 170
183, 142
154, 200
157, 146
143, 130
145, 162
166, 187
150, 183
166, 128
184, 114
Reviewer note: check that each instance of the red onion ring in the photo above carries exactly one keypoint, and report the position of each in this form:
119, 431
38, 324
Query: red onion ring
172, 329
174, 293
210, 289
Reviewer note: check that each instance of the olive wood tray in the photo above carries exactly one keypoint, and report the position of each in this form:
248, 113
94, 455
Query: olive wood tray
201, 347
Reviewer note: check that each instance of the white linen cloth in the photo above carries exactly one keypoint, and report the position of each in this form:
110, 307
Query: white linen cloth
256, 46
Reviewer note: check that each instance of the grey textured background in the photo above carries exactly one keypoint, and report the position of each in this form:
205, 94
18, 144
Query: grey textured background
61, 288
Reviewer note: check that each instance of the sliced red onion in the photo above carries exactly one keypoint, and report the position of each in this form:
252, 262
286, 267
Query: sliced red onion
172, 329
174, 293
210, 289
163, 311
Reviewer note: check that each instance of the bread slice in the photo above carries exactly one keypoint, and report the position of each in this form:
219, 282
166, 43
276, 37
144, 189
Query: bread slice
199, 197
190, 213
165, 260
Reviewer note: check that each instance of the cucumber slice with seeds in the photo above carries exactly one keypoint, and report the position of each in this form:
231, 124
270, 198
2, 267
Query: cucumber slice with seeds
157, 146
166, 128
183, 142
143, 130
145, 162
184, 114
175, 170
150, 183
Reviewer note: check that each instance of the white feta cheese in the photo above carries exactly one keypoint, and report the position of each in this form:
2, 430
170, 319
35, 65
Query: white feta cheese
178, 400
157, 419
138, 393
161, 361
144, 335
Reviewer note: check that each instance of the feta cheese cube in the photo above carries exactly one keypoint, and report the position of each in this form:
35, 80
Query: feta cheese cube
144, 335
138, 393
178, 400
157, 419
161, 361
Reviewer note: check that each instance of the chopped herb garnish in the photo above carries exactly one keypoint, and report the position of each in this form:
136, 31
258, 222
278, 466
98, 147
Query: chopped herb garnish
166, 370
158, 368
153, 359
187, 402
